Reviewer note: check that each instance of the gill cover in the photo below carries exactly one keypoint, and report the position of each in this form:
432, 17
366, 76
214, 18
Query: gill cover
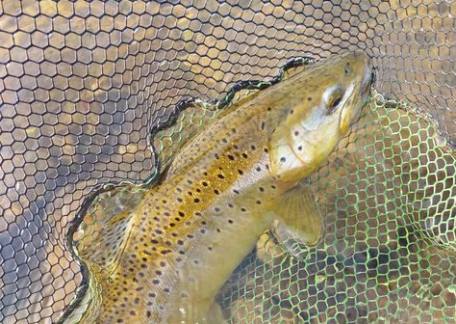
320, 117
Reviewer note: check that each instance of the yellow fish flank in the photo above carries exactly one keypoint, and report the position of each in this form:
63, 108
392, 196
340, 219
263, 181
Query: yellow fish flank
226, 186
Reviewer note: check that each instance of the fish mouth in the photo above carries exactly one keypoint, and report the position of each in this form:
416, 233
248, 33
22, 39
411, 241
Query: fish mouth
368, 80
365, 87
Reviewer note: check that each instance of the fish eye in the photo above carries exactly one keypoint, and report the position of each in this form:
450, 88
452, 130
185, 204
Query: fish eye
334, 99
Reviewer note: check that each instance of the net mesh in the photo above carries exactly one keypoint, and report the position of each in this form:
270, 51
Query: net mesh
389, 243
81, 84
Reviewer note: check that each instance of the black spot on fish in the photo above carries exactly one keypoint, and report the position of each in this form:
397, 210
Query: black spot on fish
261, 189
231, 157
300, 148
309, 98
230, 221
196, 200
347, 69
296, 133
240, 172
204, 183
244, 155
221, 176
283, 159
253, 147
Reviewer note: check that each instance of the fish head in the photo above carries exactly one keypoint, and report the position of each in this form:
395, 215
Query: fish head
324, 101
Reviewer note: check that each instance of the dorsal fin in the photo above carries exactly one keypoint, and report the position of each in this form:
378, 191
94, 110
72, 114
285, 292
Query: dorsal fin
103, 234
97, 237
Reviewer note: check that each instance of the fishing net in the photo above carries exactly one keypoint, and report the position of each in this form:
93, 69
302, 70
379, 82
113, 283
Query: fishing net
82, 83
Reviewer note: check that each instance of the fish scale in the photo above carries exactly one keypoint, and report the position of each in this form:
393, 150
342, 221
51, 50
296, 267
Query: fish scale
225, 187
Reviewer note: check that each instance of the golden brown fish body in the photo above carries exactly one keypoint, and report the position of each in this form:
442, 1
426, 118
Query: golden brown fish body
226, 186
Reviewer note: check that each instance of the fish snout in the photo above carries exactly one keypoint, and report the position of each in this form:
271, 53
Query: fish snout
368, 79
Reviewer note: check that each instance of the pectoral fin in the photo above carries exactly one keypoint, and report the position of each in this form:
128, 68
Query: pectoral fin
298, 218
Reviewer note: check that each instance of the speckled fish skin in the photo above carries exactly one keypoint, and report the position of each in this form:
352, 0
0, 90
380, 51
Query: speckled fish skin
191, 230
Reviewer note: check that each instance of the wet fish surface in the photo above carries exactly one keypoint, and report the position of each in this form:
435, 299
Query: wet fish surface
225, 187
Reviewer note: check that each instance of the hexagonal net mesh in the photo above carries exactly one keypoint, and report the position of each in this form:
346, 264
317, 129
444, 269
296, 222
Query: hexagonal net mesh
82, 83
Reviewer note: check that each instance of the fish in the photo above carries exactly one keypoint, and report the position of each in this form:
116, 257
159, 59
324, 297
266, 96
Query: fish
226, 186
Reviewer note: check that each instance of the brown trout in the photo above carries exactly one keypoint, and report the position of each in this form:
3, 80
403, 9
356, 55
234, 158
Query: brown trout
226, 186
